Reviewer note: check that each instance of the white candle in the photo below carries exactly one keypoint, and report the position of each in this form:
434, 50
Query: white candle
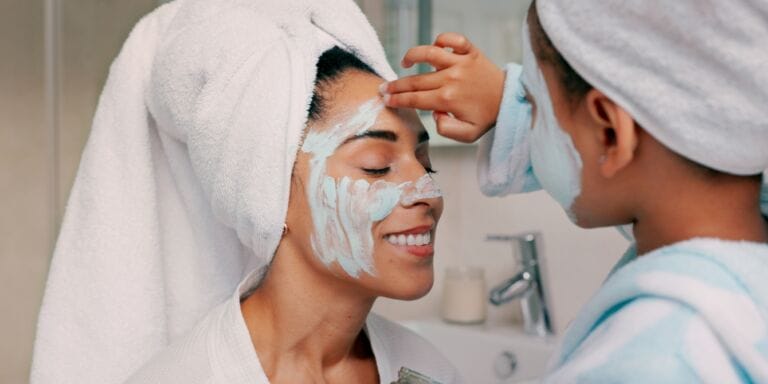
464, 295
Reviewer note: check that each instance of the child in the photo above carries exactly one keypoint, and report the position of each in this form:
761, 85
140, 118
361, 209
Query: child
650, 116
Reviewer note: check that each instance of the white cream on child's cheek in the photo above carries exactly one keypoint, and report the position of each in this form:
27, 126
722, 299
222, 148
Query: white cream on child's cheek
344, 211
554, 158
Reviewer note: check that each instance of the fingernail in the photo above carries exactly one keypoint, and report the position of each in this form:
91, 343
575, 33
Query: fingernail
386, 98
383, 88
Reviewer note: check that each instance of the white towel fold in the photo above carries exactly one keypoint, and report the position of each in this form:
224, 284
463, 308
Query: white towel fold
183, 186
696, 311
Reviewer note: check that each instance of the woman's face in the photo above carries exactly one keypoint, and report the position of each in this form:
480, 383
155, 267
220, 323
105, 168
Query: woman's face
363, 206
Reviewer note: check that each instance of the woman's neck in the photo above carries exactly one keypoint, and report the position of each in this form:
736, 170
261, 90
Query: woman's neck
727, 209
306, 322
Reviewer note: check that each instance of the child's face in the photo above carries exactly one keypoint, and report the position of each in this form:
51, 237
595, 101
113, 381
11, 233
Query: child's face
602, 201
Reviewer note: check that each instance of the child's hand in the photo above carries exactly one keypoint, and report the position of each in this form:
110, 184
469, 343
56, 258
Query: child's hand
464, 92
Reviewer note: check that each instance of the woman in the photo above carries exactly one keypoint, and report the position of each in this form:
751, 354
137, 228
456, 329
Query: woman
309, 320
276, 199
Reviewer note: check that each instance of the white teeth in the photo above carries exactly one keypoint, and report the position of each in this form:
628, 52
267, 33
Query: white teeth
420, 239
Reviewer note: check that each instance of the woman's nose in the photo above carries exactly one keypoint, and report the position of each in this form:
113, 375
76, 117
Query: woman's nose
422, 190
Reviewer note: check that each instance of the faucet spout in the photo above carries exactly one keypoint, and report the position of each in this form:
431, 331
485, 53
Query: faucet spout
527, 286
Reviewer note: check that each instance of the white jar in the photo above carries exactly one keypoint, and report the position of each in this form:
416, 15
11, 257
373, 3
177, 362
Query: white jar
464, 295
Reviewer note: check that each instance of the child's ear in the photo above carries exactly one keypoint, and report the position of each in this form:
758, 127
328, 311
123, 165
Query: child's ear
616, 132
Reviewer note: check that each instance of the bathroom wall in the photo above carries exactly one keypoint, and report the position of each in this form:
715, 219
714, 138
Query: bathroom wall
54, 57
49, 91
25, 181
576, 261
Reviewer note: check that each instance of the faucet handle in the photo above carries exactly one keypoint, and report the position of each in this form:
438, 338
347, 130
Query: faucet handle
511, 289
526, 245
527, 236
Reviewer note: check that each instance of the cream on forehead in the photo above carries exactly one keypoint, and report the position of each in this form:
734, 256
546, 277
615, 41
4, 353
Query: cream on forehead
322, 144
344, 211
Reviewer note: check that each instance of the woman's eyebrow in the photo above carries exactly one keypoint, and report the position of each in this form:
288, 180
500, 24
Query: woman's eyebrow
382, 135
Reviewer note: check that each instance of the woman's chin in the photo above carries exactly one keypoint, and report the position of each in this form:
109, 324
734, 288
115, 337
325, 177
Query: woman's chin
409, 290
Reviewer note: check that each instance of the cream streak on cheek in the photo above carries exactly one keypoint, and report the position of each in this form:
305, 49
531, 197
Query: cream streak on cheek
344, 210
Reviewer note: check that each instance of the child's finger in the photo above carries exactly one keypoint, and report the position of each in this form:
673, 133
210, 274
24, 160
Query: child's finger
456, 129
427, 100
423, 82
435, 56
458, 42
436, 115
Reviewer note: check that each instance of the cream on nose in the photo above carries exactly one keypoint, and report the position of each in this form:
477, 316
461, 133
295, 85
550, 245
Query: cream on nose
424, 188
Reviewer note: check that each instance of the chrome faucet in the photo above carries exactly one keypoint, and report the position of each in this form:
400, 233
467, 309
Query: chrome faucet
527, 286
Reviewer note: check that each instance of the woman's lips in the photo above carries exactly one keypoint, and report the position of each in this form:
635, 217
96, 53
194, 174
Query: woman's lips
421, 250
414, 230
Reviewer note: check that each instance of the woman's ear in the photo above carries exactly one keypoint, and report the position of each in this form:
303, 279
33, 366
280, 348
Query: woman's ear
616, 132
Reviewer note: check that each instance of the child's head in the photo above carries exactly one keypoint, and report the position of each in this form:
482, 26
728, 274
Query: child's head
624, 168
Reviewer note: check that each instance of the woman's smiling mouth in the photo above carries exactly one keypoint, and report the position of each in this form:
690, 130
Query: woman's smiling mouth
417, 241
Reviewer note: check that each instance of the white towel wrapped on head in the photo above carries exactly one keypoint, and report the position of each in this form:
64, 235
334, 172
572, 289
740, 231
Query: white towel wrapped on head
183, 186
693, 73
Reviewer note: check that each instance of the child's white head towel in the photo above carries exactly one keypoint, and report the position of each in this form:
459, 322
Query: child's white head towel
693, 73
183, 186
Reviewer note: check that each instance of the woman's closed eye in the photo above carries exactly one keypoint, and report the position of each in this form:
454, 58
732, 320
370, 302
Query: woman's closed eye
383, 171
376, 171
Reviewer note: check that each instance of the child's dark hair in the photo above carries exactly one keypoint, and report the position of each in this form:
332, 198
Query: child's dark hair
575, 85
332, 64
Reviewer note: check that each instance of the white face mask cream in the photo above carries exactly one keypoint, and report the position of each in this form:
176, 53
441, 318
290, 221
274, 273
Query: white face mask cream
344, 210
554, 158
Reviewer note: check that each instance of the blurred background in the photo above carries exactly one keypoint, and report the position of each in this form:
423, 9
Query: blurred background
54, 59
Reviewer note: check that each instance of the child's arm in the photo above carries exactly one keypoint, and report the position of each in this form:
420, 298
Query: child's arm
464, 92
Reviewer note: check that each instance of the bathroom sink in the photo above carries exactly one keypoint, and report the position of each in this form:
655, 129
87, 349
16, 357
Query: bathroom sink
488, 354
